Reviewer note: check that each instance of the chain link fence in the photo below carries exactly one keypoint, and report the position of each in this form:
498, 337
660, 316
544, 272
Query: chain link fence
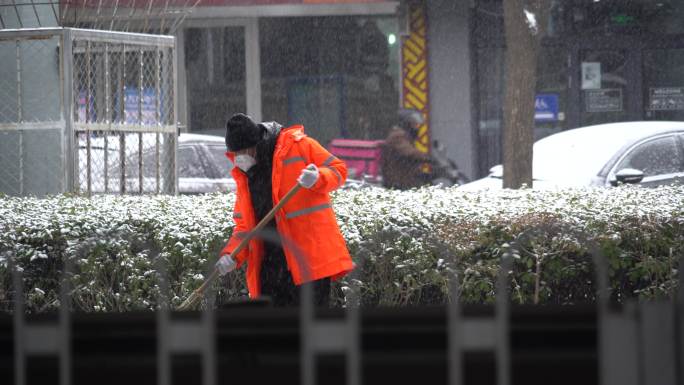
605, 343
31, 123
86, 111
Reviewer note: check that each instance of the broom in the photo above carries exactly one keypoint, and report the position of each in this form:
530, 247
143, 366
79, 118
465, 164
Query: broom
196, 295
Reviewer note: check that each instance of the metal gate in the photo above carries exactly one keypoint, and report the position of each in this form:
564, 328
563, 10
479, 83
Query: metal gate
87, 111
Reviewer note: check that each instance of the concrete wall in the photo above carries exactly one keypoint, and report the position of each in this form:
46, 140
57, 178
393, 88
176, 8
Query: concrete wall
451, 99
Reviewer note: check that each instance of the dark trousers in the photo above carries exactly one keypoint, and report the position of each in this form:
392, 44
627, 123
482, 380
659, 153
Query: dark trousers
276, 281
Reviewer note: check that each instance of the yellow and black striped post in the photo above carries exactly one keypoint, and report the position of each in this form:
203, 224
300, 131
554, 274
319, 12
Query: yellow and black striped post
414, 63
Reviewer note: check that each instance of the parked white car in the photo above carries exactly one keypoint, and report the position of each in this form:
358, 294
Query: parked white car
201, 165
648, 153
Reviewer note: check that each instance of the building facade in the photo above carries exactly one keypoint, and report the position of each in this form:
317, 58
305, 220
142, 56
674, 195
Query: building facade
343, 67
334, 68
601, 61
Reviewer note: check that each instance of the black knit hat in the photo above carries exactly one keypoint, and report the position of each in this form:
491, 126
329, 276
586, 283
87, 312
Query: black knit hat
242, 132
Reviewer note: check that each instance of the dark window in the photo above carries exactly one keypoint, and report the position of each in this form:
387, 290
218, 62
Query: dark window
655, 157
605, 83
663, 84
488, 22
337, 75
189, 163
217, 155
610, 17
552, 77
215, 75
133, 165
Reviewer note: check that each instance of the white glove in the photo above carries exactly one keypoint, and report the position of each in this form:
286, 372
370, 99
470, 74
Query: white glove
225, 265
309, 176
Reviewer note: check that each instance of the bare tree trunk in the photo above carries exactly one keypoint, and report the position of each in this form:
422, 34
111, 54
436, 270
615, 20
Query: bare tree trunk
522, 48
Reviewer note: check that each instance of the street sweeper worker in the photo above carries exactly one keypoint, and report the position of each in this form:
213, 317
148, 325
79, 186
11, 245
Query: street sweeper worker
309, 248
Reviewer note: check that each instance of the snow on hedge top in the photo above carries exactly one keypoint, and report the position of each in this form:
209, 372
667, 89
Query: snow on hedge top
579, 204
77, 217
390, 228
185, 216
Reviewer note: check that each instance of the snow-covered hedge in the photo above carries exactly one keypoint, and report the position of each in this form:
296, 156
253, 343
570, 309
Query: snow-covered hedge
409, 242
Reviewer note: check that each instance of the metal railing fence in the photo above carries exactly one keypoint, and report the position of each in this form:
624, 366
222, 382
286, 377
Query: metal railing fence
638, 343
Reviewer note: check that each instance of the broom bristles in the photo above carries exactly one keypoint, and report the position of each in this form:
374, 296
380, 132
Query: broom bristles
190, 302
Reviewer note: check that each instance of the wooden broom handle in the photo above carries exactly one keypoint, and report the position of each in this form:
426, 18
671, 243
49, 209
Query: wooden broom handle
252, 233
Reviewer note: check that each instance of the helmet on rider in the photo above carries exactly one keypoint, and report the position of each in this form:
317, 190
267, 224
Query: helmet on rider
410, 120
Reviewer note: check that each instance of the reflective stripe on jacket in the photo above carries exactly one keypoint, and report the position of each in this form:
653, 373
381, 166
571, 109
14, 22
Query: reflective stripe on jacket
312, 241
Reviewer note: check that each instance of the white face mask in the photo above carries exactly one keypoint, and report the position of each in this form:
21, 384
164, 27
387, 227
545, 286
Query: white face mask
244, 162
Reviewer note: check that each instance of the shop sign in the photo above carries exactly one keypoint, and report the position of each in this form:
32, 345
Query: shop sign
666, 98
546, 108
603, 100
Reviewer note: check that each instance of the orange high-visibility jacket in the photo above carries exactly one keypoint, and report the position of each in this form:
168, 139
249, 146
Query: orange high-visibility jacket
313, 244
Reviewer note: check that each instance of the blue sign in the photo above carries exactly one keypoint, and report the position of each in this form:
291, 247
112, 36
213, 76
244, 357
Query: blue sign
546, 108
132, 106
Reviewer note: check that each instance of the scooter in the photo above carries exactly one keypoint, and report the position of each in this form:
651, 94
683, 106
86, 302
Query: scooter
445, 172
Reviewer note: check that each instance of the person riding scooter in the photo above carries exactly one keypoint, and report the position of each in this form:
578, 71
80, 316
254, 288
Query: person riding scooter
404, 166
401, 161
